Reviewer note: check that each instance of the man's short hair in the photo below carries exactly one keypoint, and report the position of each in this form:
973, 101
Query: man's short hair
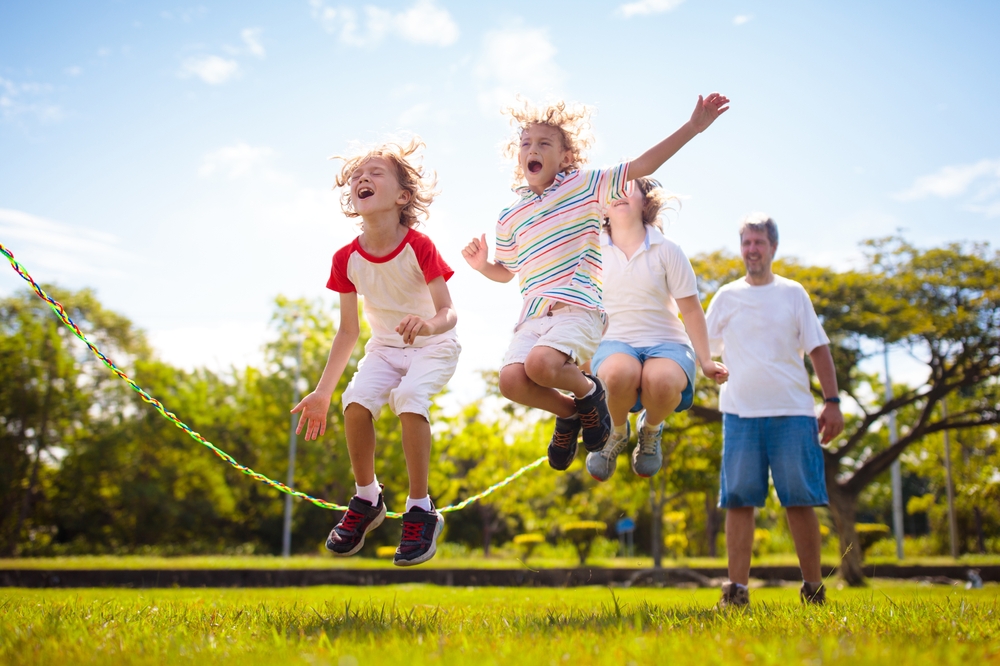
760, 222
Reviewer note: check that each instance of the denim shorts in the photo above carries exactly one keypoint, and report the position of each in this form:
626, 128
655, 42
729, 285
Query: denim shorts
789, 445
681, 354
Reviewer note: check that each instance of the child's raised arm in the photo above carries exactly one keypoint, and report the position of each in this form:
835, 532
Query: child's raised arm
705, 113
314, 407
477, 255
697, 330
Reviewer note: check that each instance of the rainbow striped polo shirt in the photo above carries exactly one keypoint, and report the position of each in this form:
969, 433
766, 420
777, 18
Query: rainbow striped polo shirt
553, 240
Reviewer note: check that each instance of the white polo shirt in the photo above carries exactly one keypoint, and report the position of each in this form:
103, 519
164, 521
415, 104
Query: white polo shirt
762, 334
640, 292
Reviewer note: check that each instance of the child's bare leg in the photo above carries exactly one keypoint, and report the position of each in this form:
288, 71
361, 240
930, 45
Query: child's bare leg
417, 450
663, 381
360, 430
515, 385
621, 375
551, 368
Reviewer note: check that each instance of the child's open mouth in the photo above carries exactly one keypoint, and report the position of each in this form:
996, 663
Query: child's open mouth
534, 166
365, 192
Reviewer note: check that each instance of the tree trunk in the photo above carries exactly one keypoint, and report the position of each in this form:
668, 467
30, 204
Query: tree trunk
713, 520
980, 541
487, 517
843, 508
656, 520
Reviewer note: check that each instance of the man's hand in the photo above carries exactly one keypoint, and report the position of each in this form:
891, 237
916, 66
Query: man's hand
715, 371
831, 422
707, 110
312, 410
411, 327
477, 253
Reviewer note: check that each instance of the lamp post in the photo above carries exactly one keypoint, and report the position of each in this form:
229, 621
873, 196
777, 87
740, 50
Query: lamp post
949, 484
286, 533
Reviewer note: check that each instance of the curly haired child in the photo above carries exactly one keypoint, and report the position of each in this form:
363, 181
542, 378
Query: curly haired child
413, 349
647, 356
550, 238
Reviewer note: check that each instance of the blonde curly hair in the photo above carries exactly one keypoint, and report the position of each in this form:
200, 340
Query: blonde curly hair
572, 121
655, 200
410, 174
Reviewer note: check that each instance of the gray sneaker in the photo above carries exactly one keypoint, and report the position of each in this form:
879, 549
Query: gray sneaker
647, 458
734, 596
601, 464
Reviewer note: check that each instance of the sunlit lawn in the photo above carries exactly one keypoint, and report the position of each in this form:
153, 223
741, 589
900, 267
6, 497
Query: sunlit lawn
894, 623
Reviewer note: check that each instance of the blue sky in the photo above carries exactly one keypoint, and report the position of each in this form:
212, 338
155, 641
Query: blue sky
173, 157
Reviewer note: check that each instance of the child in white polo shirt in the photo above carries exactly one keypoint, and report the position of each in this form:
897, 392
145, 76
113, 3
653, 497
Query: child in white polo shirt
413, 348
646, 358
550, 238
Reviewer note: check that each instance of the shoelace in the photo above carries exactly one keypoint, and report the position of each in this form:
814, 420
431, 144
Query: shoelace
412, 531
590, 419
647, 444
562, 439
614, 447
351, 520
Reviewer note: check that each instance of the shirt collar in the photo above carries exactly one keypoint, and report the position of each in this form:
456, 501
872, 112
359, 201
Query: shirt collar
526, 192
651, 239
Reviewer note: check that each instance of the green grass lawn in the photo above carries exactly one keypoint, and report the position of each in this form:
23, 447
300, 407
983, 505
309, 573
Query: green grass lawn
894, 623
442, 561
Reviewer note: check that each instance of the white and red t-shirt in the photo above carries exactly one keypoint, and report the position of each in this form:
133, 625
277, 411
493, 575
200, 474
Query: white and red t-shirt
392, 286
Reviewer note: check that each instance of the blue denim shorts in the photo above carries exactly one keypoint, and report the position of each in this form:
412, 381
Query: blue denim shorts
789, 445
681, 354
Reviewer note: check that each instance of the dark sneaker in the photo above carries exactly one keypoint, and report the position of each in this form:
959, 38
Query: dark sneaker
348, 537
647, 457
813, 595
420, 532
562, 447
594, 416
734, 596
601, 464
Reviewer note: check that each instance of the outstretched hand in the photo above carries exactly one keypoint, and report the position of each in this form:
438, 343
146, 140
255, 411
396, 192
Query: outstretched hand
708, 109
312, 411
716, 372
477, 253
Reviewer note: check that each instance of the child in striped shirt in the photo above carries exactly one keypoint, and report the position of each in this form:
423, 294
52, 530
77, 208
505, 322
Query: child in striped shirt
550, 238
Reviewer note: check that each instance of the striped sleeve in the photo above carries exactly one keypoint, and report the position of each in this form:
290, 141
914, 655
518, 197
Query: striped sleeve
505, 253
611, 183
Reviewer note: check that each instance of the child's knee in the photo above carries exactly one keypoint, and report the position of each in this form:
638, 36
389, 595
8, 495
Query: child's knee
619, 379
513, 381
543, 365
357, 412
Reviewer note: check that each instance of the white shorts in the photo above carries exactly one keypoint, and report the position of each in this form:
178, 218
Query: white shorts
573, 330
404, 377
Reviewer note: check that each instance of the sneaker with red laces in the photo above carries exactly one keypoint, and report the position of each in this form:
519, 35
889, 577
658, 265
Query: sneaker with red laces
420, 532
594, 416
562, 446
348, 537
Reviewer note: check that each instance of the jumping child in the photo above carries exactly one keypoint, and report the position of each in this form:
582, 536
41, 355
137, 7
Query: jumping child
413, 349
550, 238
646, 358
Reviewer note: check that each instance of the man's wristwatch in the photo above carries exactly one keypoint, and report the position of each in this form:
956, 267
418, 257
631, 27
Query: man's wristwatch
835, 400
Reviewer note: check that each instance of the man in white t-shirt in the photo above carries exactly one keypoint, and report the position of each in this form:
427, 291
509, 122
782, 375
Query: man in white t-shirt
762, 325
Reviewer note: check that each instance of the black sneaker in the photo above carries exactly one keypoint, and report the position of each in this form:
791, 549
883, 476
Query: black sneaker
812, 595
594, 416
419, 541
348, 537
562, 446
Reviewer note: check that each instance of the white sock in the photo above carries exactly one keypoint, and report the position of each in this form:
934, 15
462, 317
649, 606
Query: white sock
741, 586
370, 492
651, 428
621, 430
593, 387
424, 503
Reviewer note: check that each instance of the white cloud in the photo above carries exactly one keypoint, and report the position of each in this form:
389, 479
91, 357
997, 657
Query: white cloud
517, 61
212, 69
27, 99
423, 23
59, 251
643, 7
75, 70
980, 182
741, 19
234, 161
251, 37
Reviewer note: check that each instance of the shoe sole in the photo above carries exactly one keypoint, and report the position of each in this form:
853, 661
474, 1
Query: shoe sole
361, 544
430, 551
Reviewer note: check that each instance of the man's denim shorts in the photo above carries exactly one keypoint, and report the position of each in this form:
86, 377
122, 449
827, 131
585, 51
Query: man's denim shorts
789, 445
681, 354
